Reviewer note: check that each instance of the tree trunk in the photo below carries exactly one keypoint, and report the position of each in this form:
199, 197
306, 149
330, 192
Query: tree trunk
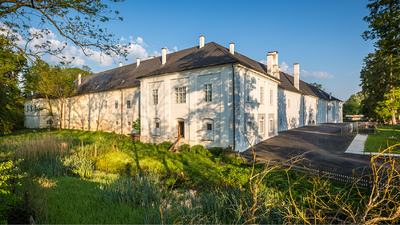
50, 111
61, 115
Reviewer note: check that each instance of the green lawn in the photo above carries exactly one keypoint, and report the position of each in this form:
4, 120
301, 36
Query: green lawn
385, 136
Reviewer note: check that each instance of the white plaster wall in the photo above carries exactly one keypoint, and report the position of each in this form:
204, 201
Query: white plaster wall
310, 109
251, 110
335, 113
289, 117
194, 113
322, 113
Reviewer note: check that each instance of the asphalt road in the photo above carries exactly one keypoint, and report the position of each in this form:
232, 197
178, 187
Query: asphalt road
323, 144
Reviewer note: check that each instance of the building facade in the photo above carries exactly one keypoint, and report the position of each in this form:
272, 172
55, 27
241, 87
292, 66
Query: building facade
208, 95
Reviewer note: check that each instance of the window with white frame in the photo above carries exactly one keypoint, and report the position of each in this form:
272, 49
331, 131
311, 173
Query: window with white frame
262, 95
271, 96
280, 121
155, 96
271, 125
180, 95
208, 130
128, 104
248, 99
262, 125
208, 92
157, 127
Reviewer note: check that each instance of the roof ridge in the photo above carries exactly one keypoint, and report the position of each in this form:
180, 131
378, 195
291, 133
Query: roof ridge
228, 54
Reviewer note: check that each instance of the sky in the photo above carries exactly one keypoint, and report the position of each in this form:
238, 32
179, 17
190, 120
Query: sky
323, 36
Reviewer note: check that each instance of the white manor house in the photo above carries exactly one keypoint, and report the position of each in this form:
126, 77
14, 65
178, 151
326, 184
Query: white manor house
208, 95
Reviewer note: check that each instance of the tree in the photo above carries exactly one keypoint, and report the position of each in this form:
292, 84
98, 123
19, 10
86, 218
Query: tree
384, 27
391, 102
55, 84
319, 86
12, 65
75, 20
353, 105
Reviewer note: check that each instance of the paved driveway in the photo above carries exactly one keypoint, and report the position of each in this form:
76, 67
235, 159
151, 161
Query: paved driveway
324, 143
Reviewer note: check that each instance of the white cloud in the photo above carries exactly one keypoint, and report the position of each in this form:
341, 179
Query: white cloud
263, 61
122, 39
175, 49
286, 69
304, 73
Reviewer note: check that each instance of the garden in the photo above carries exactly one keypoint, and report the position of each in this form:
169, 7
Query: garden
73, 176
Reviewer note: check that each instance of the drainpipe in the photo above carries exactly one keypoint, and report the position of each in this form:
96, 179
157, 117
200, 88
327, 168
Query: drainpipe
234, 108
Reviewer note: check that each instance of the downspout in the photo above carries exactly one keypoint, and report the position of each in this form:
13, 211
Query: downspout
234, 108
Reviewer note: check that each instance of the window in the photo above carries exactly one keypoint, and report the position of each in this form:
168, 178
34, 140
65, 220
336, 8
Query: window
116, 104
208, 92
157, 125
271, 125
280, 122
155, 96
116, 122
209, 126
288, 103
128, 104
262, 95
248, 127
129, 123
180, 95
262, 125
271, 96
105, 104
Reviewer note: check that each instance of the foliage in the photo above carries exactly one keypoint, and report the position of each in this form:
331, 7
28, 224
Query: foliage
9, 171
353, 105
392, 102
185, 148
136, 125
11, 101
199, 149
381, 71
75, 20
230, 160
216, 150
319, 86
165, 145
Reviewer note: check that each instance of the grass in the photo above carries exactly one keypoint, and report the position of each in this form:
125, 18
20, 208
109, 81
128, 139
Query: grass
385, 136
120, 186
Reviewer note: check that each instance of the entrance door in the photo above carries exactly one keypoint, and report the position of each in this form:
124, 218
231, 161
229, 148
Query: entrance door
181, 128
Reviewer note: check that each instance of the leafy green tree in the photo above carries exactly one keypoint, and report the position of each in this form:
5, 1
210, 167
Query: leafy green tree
385, 107
12, 66
136, 125
78, 21
353, 105
384, 28
317, 85
56, 84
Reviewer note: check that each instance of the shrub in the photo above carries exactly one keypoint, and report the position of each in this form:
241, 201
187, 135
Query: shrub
165, 145
215, 151
230, 160
199, 149
185, 148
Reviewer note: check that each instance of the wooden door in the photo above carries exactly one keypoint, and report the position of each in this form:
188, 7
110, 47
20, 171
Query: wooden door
181, 128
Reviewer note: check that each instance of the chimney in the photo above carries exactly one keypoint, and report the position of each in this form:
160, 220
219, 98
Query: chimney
296, 75
202, 39
137, 62
164, 55
330, 96
79, 79
120, 64
272, 64
232, 48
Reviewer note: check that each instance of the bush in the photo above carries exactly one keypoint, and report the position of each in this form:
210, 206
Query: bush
230, 160
165, 145
216, 150
185, 148
199, 149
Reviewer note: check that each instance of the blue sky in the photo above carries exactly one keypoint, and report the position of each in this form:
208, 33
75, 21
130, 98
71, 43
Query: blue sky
323, 36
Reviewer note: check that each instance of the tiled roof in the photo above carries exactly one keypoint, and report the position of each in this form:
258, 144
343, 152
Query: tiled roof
305, 88
211, 54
